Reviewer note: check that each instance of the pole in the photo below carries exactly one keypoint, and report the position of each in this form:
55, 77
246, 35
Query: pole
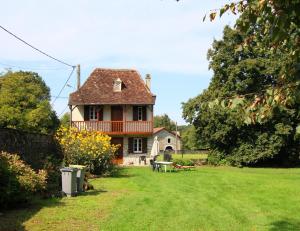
78, 76
176, 139
71, 110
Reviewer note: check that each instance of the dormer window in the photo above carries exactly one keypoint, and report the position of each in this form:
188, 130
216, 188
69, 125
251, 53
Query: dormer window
117, 85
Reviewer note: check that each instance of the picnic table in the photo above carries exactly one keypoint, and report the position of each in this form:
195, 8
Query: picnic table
164, 163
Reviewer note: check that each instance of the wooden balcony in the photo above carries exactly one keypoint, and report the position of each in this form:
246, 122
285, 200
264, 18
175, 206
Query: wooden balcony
116, 127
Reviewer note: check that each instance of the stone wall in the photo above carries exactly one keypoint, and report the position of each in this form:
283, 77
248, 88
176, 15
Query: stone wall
34, 148
163, 137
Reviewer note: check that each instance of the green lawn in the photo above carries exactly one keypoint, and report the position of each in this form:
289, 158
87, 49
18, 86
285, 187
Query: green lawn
207, 198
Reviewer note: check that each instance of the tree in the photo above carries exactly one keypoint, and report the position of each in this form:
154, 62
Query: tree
65, 120
247, 115
189, 138
24, 103
164, 121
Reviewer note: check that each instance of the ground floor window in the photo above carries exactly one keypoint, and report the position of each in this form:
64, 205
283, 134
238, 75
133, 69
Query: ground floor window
137, 145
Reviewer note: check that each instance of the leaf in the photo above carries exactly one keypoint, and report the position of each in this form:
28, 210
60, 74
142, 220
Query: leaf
222, 11
298, 130
212, 16
232, 8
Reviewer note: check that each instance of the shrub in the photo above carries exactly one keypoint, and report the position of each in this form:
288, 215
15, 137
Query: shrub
183, 162
52, 166
18, 181
90, 148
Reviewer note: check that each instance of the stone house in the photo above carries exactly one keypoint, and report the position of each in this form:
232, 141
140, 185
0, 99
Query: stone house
119, 103
168, 140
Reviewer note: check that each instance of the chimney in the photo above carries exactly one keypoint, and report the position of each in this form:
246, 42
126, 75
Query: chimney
148, 81
78, 76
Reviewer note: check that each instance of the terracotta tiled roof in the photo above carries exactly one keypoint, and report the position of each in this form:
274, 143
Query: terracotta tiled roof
98, 89
156, 130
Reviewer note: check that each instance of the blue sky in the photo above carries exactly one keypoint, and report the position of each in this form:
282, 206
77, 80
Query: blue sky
162, 37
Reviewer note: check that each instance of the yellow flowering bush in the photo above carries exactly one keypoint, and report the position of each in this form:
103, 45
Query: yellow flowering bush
89, 148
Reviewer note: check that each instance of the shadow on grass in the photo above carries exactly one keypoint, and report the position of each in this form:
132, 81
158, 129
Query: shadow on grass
13, 220
94, 192
286, 225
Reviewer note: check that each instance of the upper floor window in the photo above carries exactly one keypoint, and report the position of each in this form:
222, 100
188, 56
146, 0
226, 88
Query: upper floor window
140, 113
137, 145
169, 140
93, 113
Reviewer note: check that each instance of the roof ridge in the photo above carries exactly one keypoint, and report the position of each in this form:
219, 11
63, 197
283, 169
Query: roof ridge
114, 69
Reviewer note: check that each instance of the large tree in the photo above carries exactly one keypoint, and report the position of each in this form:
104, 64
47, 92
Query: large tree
25, 103
164, 121
249, 114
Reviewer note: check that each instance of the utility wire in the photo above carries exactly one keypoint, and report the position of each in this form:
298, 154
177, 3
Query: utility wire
73, 68
42, 52
60, 97
63, 111
28, 68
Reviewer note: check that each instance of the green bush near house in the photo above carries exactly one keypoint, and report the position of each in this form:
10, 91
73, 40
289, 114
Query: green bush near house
18, 181
183, 162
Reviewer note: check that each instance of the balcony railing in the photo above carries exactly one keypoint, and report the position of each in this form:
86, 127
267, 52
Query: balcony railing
116, 127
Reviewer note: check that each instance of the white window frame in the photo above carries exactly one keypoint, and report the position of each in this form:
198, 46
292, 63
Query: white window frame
93, 113
140, 113
137, 145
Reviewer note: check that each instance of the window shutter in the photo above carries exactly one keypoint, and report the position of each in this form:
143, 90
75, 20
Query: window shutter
130, 145
134, 113
144, 113
144, 143
86, 112
100, 113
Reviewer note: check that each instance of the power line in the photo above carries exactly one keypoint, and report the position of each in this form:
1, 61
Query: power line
63, 111
73, 68
60, 97
31, 68
42, 52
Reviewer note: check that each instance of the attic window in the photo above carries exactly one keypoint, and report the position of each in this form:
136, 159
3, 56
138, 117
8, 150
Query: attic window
117, 85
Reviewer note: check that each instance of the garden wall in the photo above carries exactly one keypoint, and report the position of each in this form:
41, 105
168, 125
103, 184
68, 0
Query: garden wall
34, 148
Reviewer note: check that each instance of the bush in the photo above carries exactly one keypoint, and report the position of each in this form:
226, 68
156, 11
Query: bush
18, 181
52, 166
183, 162
90, 148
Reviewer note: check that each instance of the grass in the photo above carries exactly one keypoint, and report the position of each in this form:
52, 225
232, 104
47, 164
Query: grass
207, 198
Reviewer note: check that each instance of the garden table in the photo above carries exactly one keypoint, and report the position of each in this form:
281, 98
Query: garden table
164, 163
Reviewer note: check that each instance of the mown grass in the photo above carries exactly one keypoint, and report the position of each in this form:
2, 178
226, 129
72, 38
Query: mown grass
207, 198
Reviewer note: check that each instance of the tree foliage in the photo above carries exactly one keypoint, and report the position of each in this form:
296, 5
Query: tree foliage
189, 138
65, 120
164, 121
24, 103
250, 112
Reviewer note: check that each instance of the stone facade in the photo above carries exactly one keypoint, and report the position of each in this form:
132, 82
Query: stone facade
132, 158
168, 139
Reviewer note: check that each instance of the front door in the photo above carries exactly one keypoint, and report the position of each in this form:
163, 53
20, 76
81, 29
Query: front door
117, 118
119, 153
